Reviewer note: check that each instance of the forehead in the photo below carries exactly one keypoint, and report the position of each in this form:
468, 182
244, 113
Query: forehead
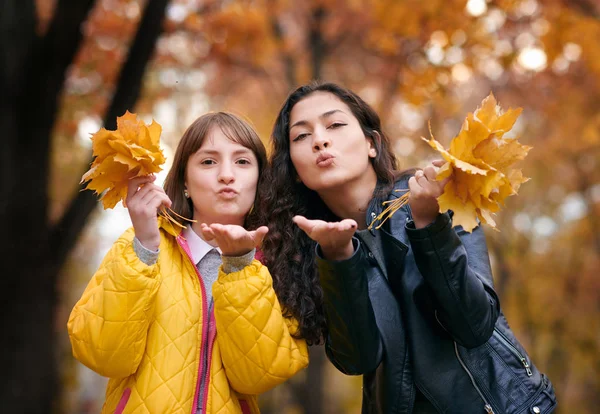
316, 104
216, 138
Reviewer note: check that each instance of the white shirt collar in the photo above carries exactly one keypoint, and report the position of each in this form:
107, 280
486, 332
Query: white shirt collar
198, 246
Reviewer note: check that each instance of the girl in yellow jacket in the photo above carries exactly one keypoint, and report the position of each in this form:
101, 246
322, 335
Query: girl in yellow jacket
147, 319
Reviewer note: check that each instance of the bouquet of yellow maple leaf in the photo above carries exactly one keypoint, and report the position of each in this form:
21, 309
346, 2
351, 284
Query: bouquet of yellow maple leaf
479, 163
131, 151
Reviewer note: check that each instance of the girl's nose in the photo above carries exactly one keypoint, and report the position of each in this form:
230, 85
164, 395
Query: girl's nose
320, 141
226, 175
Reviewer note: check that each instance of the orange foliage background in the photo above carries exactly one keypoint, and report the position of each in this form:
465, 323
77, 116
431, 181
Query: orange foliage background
414, 61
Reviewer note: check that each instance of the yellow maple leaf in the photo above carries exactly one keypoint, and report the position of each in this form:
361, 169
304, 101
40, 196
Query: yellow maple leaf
132, 150
479, 164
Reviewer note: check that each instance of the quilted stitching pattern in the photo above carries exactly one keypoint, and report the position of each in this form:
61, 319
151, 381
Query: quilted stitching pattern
267, 354
141, 326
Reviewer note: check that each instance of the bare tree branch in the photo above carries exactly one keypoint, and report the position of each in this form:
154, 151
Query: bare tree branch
64, 235
589, 8
316, 43
287, 58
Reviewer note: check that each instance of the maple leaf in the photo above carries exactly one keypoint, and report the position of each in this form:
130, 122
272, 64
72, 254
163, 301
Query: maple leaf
479, 164
132, 150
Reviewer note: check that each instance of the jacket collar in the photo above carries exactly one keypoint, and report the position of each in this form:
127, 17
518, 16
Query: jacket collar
169, 227
395, 224
197, 245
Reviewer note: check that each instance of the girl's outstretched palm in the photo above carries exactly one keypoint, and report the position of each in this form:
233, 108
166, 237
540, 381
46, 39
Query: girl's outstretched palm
335, 238
234, 240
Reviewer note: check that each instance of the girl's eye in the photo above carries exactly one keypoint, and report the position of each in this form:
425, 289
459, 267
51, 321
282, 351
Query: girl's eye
208, 162
243, 161
336, 125
299, 137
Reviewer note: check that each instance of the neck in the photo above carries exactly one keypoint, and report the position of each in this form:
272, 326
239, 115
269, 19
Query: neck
352, 199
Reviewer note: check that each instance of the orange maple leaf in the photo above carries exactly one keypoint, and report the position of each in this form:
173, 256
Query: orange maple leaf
479, 163
131, 151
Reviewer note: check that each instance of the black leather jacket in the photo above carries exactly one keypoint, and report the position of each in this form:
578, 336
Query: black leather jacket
417, 309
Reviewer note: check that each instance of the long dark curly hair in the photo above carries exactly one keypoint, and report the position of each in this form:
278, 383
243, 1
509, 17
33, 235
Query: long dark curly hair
288, 252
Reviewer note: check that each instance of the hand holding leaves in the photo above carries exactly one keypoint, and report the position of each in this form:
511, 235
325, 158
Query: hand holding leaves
424, 192
144, 199
130, 151
478, 173
480, 163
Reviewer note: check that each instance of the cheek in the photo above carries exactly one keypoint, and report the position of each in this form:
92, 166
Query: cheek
198, 179
298, 161
254, 181
251, 179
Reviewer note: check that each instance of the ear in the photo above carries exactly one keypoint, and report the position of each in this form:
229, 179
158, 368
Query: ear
185, 188
372, 144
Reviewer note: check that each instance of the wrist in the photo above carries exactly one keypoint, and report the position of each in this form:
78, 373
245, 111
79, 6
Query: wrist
236, 253
424, 221
236, 263
421, 223
338, 253
150, 243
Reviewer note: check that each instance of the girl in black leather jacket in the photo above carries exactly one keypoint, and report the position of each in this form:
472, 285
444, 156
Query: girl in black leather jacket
410, 306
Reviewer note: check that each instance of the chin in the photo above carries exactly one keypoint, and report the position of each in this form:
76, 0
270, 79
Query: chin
327, 183
231, 215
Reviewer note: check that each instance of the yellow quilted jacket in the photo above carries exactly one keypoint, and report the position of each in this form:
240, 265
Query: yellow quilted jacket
143, 326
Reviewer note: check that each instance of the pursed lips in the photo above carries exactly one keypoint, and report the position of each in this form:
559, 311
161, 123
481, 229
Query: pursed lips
228, 192
325, 159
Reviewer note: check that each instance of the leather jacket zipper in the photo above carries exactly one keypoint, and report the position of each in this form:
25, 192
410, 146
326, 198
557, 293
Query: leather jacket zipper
505, 341
487, 407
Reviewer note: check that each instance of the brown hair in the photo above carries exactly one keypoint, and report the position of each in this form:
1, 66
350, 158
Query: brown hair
234, 128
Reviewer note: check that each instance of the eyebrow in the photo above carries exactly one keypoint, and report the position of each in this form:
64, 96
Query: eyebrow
243, 151
322, 116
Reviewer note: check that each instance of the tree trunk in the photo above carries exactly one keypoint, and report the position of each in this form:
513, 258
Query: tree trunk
32, 76
31, 88
312, 398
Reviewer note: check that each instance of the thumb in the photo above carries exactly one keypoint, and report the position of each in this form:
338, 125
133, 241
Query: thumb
134, 183
259, 235
438, 163
207, 232
445, 181
304, 224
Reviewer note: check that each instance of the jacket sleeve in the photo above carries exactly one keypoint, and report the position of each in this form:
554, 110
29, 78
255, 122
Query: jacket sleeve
456, 266
108, 325
353, 343
255, 339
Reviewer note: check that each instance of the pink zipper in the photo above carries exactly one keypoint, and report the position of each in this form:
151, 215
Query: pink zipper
123, 401
245, 407
183, 244
212, 333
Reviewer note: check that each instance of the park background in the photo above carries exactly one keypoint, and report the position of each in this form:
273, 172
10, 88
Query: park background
69, 67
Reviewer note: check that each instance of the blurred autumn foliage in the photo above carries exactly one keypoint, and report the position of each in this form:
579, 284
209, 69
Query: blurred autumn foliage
414, 61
